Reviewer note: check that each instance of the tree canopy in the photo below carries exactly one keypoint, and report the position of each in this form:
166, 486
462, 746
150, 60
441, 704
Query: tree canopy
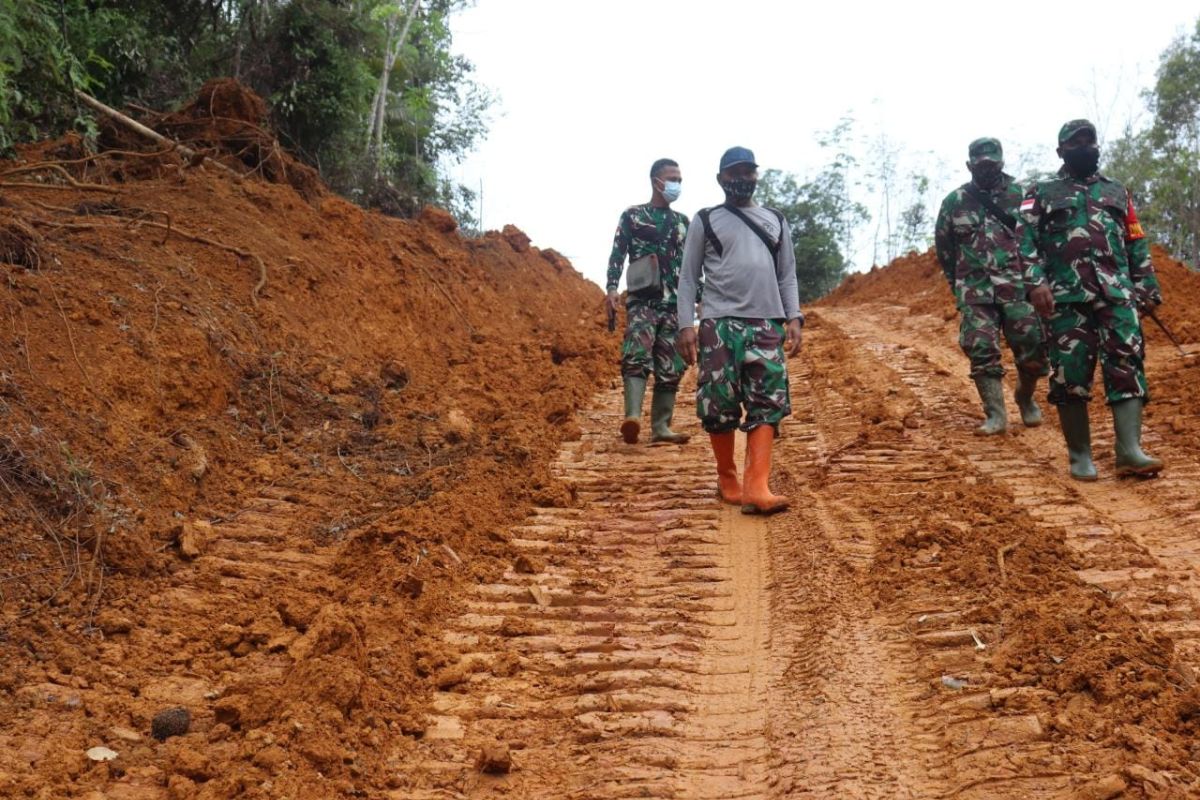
1161, 164
368, 91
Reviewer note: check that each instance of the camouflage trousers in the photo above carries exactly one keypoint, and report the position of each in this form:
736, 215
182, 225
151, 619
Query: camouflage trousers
742, 366
1081, 332
979, 337
649, 345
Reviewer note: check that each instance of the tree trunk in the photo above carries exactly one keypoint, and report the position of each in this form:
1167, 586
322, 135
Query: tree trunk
391, 54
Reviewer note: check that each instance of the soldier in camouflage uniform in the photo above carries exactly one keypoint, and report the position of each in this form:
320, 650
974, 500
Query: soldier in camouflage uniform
750, 323
1087, 262
978, 250
651, 229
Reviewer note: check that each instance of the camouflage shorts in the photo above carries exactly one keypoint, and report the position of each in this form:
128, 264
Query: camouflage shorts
649, 345
979, 337
1081, 332
742, 365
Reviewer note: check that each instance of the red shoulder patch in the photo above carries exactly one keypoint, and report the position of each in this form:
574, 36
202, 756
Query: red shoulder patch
1133, 228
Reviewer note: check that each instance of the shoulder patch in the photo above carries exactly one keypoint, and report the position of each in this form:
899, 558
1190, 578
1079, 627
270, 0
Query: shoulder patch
1133, 228
1027, 204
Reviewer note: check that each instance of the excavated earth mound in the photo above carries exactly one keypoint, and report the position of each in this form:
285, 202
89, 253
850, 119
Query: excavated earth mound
1102, 630
915, 282
257, 441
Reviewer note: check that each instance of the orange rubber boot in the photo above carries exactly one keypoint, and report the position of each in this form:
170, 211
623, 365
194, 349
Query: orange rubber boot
728, 488
756, 497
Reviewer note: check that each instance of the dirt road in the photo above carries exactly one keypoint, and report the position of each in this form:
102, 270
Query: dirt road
939, 615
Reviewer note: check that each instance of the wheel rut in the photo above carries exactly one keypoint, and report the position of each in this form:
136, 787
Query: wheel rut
650, 642
654, 643
1137, 540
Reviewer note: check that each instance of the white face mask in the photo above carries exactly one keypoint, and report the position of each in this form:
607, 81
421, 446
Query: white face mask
671, 190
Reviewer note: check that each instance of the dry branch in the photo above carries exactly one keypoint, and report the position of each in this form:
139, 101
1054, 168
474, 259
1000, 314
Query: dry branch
72, 183
137, 127
1001, 553
176, 231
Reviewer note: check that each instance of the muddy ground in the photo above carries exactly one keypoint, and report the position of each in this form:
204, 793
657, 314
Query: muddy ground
370, 522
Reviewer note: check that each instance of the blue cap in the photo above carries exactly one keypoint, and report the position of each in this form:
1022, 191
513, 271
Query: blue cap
737, 155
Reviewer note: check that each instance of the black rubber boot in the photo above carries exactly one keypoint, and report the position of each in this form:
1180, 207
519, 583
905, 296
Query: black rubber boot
635, 392
662, 409
1127, 425
1077, 430
1031, 414
991, 392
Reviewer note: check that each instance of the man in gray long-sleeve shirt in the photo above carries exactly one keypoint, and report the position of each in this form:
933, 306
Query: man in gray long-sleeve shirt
750, 313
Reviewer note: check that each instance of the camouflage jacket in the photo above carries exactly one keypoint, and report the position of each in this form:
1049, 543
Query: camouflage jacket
1083, 238
979, 255
644, 230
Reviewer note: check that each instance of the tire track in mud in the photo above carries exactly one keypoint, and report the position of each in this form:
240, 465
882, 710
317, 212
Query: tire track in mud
630, 638
1135, 541
852, 705
653, 643
881, 723
1138, 540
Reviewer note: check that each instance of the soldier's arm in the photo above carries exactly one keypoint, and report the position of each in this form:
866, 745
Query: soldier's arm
700, 278
620, 248
1137, 252
944, 244
785, 276
690, 274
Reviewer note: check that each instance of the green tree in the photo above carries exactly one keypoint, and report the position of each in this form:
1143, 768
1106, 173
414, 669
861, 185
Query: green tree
821, 217
336, 74
915, 219
1161, 164
38, 71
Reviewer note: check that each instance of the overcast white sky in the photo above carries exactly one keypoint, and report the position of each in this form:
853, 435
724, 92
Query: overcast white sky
590, 93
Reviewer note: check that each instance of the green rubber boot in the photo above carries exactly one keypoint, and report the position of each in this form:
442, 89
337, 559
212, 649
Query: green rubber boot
991, 392
635, 392
662, 409
1077, 430
1127, 425
1031, 414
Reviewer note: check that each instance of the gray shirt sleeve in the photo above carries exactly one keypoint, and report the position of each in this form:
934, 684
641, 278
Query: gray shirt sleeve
690, 272
785, 273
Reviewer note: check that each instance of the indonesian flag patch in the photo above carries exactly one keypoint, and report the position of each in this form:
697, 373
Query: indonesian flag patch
1027, 205
1133, 228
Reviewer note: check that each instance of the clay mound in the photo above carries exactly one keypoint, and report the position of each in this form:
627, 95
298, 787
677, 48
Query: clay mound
184, 453
229, 121
914, 280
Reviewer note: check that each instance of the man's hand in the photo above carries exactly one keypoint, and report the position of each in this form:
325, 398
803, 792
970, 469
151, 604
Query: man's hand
1043, 300
1146, 301
611, 301
685, 343
792, 343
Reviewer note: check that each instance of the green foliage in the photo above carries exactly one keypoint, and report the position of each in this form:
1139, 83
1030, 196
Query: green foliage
317, 62
38, 71
1161, 164
821, 218
915, 219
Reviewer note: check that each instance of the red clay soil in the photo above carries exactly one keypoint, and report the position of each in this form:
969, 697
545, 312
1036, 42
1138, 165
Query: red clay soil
915, 281
412, 382
1107, 680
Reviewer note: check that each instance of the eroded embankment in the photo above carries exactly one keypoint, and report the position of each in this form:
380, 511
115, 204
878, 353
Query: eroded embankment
256, 443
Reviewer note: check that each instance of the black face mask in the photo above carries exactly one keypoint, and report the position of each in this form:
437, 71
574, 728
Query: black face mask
740, 189
987, 174
1082, 161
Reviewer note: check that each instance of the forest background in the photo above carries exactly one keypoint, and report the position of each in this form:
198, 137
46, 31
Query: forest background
375, 95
